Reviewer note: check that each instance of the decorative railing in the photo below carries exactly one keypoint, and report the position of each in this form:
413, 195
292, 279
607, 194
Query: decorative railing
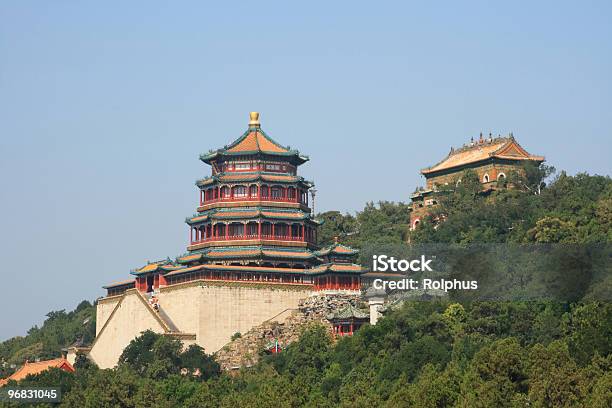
252, 237
251, 198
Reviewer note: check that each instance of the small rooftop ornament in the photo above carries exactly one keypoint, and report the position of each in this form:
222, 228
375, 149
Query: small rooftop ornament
254, 122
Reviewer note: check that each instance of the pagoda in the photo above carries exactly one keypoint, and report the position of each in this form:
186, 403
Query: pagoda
253, 224
492, 159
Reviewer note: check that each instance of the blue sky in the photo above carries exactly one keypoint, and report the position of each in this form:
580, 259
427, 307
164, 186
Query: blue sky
105, 107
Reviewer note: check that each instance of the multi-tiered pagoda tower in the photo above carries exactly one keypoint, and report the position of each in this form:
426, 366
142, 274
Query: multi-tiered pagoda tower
252, 256
253, 224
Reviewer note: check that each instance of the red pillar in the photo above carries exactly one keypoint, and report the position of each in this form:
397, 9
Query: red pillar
226, 230
259, 229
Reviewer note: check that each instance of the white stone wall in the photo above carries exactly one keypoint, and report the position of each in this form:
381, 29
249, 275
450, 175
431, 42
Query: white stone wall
213, 311
131, 318
104, 309
227, 310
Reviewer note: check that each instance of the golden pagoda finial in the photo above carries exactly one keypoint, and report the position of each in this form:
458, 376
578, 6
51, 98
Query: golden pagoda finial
254, 122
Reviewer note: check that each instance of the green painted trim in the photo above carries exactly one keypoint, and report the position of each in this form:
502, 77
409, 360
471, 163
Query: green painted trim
305, 287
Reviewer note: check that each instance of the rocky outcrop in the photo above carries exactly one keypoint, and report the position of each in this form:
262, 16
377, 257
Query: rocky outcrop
285, 328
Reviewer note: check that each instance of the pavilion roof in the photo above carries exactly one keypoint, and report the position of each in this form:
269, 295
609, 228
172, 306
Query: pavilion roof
117, 284
337, 267
337, 249
483, 149
252, 142
38, 367
163, 266
348, 312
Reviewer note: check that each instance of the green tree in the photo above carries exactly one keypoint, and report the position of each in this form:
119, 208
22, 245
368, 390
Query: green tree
196, 362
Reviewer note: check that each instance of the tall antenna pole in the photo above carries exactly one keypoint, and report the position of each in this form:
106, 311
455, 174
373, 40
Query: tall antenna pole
313, 193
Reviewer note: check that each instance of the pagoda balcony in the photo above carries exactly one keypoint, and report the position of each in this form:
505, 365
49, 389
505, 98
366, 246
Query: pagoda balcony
253, 237
251, 198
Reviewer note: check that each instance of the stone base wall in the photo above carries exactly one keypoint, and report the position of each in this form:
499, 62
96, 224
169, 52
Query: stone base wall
127, 320
211, 312
215, 312
104, 308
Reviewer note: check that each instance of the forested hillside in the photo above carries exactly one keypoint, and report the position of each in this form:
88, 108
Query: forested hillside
571, 209
424, 354
59, 330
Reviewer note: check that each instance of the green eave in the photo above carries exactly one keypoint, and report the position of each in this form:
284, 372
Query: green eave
337, 268
222, 153
254, 176
250, 213
119, 284
244, 269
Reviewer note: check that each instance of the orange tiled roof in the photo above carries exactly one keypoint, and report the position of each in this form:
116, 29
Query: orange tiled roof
222, 214
343, 250
254, 141
120, 283
257, 141
238, 268
206, 181
236, 214
246, 252
255, 268
154, 266
268, 177
505, 148
336, 248
284, 214
289, 254
148, 268
39, 367
237, 177
345, 267
170, 267
250, 176
188, 258
200, 218
334, 267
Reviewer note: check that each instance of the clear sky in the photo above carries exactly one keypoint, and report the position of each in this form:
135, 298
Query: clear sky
105, 107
